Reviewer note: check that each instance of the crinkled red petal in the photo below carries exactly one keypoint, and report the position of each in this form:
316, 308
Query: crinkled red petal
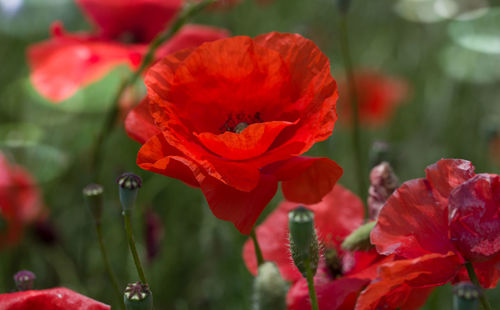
139, 124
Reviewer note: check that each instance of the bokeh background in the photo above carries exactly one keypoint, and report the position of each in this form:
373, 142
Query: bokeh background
447, 50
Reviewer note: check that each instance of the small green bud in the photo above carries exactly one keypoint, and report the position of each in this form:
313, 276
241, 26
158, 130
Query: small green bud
269, 289
359, 240
466, 296
138, 296
25, 280
304, 245
128, 184
93, 196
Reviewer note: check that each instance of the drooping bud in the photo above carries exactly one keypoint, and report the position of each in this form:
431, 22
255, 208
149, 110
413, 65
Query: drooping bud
466, 296
304, 245
25, 280
93, 196
383, 182
269, 289
138, 296
128, 184
359, 240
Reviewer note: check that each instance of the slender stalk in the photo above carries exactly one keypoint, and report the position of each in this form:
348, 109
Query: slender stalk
258, 251
110, 272
356, 132
112, 114
473, 278
310, 285
133, 249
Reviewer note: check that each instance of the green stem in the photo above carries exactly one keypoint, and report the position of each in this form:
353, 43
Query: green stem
473, 279
356, 132
310, 285
110, 272
133, 249
112, 114
258, 251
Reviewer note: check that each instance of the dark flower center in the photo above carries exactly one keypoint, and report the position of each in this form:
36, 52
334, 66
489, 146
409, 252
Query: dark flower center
333, 263
238, 122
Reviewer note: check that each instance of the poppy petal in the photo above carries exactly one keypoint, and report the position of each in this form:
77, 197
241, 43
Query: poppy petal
488, 272
139, 124
425, 271
51, 299
412, 223
240, 208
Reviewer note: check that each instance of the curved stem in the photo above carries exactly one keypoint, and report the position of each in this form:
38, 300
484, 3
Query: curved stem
258, 251
356, 132
133, 249
105, 259
473, 278
310, 285
112, 114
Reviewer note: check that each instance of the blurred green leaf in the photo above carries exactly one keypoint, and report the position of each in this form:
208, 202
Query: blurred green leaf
19, 134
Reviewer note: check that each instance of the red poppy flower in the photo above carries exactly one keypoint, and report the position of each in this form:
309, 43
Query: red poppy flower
20, 202
231, 116
341, 275
67, 62
437, 223
51, 299
378, 95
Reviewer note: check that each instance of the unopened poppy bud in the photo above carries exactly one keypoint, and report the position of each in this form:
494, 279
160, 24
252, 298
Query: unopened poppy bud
25, 280
343, 5
466, 296
383, 182
138, 296
129, 185
304, 245
269, 289
93, 196
359, 240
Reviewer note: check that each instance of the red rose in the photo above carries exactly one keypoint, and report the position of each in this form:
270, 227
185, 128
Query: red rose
20, 202
437, 223
67, 62
341, 277
378, 96
231, 117
51, 299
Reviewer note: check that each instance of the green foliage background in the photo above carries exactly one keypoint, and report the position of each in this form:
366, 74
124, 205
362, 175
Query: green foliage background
453, 108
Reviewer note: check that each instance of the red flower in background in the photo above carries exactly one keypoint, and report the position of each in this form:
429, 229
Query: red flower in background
378, 96
231, 117
67, 62
51, 299
341, 275
437, 223
20, 202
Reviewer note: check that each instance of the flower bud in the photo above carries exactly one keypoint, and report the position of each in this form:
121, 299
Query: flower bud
269, 289
304, 245
93, 196
466, 296
25, 280
383, 182
138, 296
129, 185
359, 240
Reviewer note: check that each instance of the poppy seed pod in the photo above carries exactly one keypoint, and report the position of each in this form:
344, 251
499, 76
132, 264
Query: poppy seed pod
269, 289
466, 296
25, 280
93, 196
128, 185
303, 240
138, 296
359, 240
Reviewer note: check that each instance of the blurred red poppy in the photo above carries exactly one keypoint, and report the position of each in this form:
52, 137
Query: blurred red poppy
20, 202
341, 275
51, 299
378, 96
231, 116
437, 224
67, 62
